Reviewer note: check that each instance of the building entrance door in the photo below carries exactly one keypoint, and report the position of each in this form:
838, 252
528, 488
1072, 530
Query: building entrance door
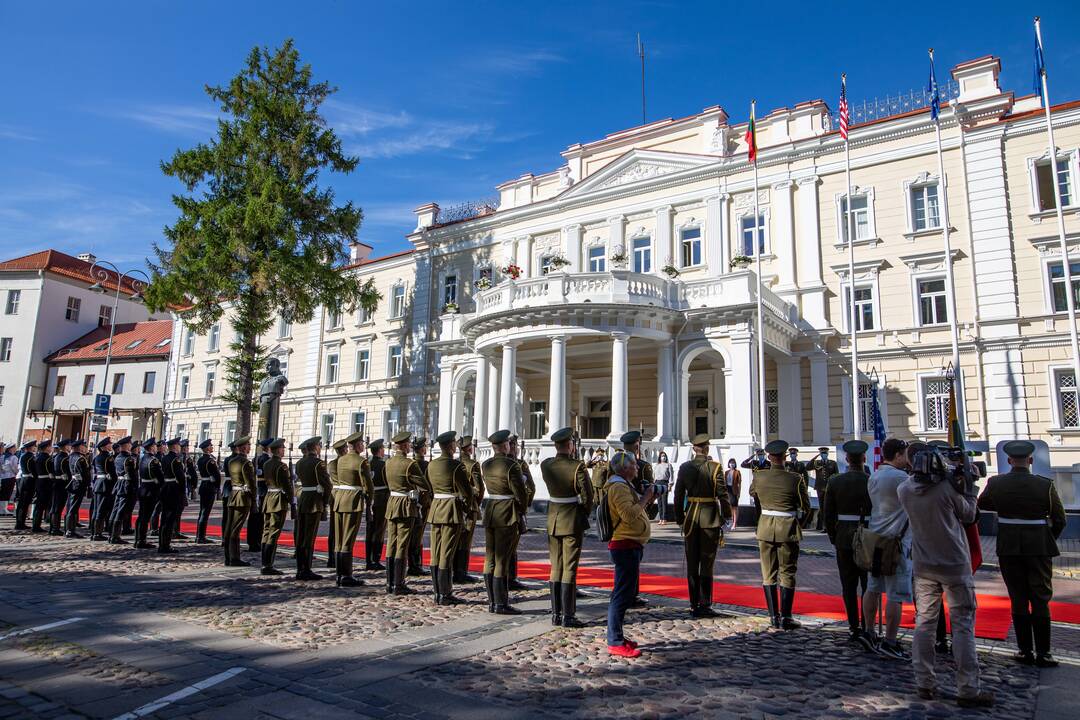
699, 415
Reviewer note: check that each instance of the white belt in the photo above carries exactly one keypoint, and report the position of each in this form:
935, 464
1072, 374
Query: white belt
310, 488
205, 478
778, 513
122, 476
500, 497
849, 518
381, 487
171, 480
1018, 521
101, 477
151, 481
270, 490
348, 487
445, 496
411, 494
565, 501
240, 488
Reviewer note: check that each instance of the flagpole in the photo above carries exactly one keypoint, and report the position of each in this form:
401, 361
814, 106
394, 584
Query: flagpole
950, 297
856, 427
762, 419
1071, 304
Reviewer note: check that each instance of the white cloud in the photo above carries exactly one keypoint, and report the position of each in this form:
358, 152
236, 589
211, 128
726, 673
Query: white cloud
180, 119
462, 138
10, 132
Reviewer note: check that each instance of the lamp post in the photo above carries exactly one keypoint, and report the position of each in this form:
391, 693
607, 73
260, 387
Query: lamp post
101, 275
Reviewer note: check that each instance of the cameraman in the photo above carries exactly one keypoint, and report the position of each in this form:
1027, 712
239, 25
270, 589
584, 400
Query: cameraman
938, 509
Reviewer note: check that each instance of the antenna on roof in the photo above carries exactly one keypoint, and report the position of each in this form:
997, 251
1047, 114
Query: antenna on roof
641, 54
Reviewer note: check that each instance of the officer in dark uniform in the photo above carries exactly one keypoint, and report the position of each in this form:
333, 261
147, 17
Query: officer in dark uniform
255, 517
504, 513
315, 489
823, 468
1030, 519
125, 491
151, 478
78, 477
61, 476
375, 529
226, 491
416, 537
209, 487
464, 546
190, 480
844, 507
279, 502
24, 488
450, 499
43, 486
171, 495
406, 482
702, 508
242, 500
104, 484
341, 449
784, 503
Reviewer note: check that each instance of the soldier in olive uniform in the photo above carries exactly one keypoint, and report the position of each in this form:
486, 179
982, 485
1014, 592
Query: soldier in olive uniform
823, 468
406, 482
80, 478
151, 478
702, 508
1030, 519
757, 461
570, 501
784, 503
375, 529
451, 496
278, 503
340, 448
416, 537
472, 513
352, 485
255, 517
503, 515
530, 493
171, 496
209, 487
226, 491
24, 493
315, 490
242, 500
125, 490
845, 506
598, 470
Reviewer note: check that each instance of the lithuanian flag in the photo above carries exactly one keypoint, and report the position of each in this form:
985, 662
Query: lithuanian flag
956, 433
751, 135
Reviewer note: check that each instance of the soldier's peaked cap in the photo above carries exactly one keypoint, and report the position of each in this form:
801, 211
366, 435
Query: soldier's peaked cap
1019, 449
205, 444
354, 437
149, 442
630, 437
777, 447
400, 437
64, 442
44, 444
855, 447
310, 442
499, 436
242, 441
124, 440
447, 437
337, 445
277, 443
28, 444
265, 442
376, 444
103, 442
700, 439
184, 443
78, 442
824, 449
174, 441
562, 434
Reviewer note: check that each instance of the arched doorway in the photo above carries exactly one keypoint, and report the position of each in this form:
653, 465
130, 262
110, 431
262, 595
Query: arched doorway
702, 397
463, 399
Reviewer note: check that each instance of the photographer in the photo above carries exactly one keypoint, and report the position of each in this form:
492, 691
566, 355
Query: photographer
940, 500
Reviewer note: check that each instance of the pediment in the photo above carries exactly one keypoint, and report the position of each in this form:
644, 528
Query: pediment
637, 166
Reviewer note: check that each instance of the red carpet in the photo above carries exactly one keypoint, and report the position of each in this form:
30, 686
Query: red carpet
992, 619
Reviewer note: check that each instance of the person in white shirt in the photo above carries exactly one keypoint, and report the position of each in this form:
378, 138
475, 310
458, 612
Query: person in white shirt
9, 468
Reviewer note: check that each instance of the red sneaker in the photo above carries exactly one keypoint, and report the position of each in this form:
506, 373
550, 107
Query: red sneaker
630, 644
623, 651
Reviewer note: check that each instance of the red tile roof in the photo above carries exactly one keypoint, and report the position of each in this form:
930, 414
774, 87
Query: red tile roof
131, 341
64, 264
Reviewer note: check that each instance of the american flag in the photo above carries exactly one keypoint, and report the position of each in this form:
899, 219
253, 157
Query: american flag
879, 425
843, 107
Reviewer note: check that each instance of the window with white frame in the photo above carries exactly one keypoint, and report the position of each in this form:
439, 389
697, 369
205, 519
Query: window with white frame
772, 411
933, 307
935, 402
866, 408
327, 425
392, 422
185, 384
1068, 406
597, 259
61, 385
118, 383
642, 254
864, 307
211, 381
12, 306
181, 430
230, 431
213, 339
1057, 284
395, 365
149, 381
363, 364
283, 364
397, 301
359, 422
690, 246
545, 264
333, 318
71, 312
189, 341
333, 361
486, 273
860, 216
749, 227
204, 431
5, 349
284, 328
364, 316
88, 385
1045, 197
450, 289
925, 209
104, 315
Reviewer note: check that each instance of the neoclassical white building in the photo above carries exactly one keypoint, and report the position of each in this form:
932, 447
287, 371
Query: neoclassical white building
608, 294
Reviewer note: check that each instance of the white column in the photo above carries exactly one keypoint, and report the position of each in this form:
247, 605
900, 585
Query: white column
446, 400
716, 216
819, 398
557, 389
617, 234
480, 399
509, 250
507, 406
525, 250
664, 391
619, 385
789, 390
572, 236
682, 418
662, 250
740, 395
784, 233
492, 399
809, 265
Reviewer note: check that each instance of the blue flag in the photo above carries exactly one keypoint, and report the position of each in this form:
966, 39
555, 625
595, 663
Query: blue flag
932, 91
1040, 67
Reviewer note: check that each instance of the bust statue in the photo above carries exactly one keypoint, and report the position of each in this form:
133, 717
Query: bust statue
270, 392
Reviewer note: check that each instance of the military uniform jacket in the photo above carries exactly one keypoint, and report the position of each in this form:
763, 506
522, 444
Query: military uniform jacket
190, 470
104, 481
127, 475
173, 468
451, 491
226, 481
823, 471
207, 468
701, 499
41, 465
59, 467
242, 475
315, 485
350, 484
406, 482
847, 495
506, 499
80, 476
530, 484
644, 476
599, 476
279, 487
472, 469
27, 467
783, 493
1022, 495
567, 479
378, 474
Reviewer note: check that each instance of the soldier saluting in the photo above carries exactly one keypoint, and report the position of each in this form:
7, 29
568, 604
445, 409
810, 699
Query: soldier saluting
823, 468
315, 489
209, 487
845, 505
503, 516
406, 481
241, 500
784, 502
701, 509
1030, 519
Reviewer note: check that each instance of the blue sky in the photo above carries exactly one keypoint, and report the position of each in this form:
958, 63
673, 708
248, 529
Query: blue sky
441, 101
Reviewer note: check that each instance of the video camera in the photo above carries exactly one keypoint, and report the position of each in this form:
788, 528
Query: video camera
955, 465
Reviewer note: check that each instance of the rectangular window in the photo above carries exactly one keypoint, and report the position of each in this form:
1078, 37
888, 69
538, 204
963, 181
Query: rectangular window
363, 364
365, 316
189, 342
104, 315
118, 383
866, 408
332, 363
333, 319
486, 273
1044, 184
537, 419
936, 403
545, 265
185, 384
642, 254
450, 290
327, 429
88, 385
204, 431
284, 328
860, 216
690, 241
1068, 407
597, 259
925, 213
864, 308
283, 364
230, 431
397, 301
5, 349
1057, 285
395, 361
181, 430
772, 411
149, 380
61, 385
12, 307
933, 309
359, 423
748, 225
211, 381
213, 340
71, 313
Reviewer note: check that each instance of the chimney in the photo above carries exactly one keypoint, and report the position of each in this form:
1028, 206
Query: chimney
426, 216
358, 251
87, 257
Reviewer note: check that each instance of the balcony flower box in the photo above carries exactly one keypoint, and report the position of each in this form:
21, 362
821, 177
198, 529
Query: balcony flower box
740, 262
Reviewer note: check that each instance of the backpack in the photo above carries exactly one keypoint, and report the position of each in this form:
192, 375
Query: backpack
605, 525
877, 554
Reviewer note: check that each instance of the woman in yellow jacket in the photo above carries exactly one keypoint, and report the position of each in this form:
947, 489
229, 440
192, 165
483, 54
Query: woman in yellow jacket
631, 532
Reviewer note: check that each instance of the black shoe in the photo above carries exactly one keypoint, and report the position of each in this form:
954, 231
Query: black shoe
270, 571
414, 572
73, 535
891, 650
240, 563
308, 575
787, 600
502, 598
868, 641
1025, 657
942, 647
154, 533
926, 693
465, 579
489, 586
167, 551
985, 698
516, 585
704, 612
143, 546
1045, 660
117, 541
97, 537
38, 530
639, 602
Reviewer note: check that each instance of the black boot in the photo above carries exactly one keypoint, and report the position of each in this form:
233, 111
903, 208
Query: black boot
165, 542
1040, 628
461, 567
344, 570
436, 586
268, 552
115, 532
489, 585
446, 582
555, 591
569, 606
226, 548
705, 588
234, 551
400, 588
390, 576
99, 530
692, 589
375, 555
1022, 627
772, 605
787, 599
502, 598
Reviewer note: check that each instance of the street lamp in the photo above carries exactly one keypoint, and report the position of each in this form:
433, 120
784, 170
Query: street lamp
101, 275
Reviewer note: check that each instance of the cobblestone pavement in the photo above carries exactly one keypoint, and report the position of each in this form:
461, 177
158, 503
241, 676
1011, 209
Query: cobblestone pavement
90, 630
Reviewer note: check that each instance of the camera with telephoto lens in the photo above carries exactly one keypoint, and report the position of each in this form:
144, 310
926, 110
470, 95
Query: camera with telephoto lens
948, 464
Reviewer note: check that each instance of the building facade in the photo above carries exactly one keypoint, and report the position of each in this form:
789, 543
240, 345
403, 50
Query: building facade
612, 293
